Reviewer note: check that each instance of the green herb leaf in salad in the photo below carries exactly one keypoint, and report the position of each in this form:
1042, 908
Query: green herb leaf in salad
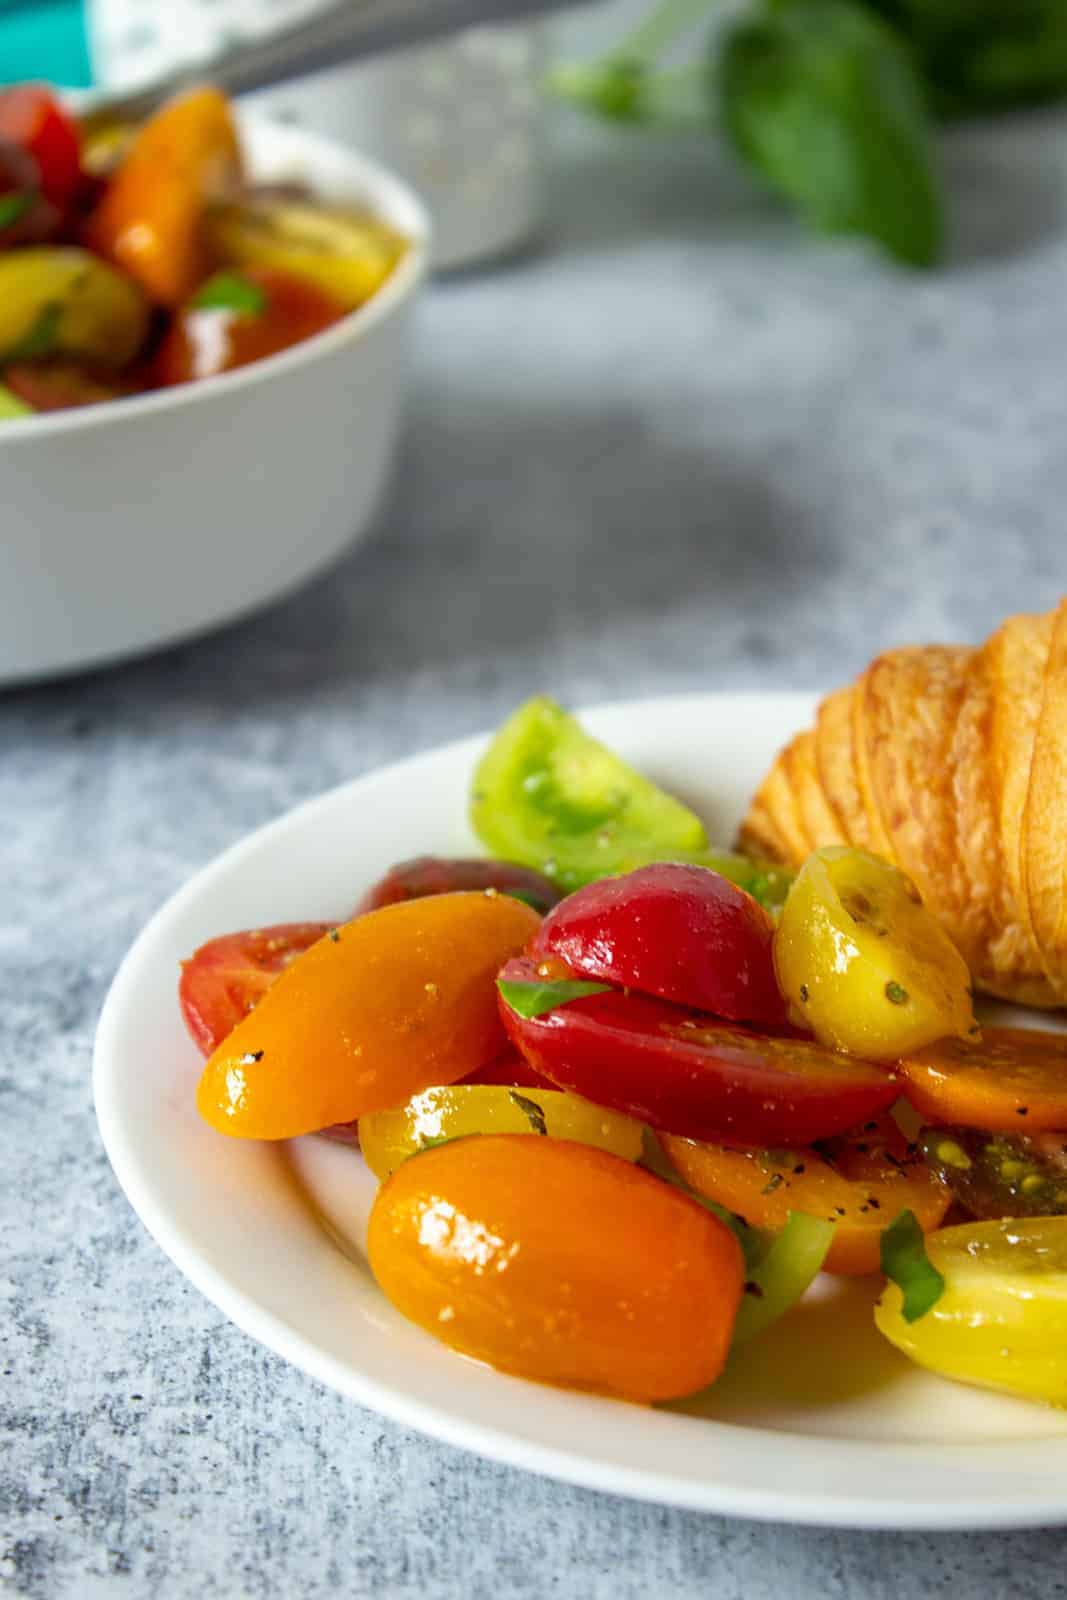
41, 337
533, 1113
906, 1263
14, 206
230, 291
535, 999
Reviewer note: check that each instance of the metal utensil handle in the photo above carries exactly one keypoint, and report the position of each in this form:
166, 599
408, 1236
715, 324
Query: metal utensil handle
341, 32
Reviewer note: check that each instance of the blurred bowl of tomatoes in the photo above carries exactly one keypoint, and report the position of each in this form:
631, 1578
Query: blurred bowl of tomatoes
203, 324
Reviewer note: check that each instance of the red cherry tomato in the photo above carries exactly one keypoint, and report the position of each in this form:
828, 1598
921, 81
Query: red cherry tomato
410, 880
267, 311
686, 1073
511, 1070
221, 983
26, 216
32, 118
683, 933
58, 385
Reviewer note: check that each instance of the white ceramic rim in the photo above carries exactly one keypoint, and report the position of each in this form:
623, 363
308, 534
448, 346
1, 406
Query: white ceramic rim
1009, 1484
383, 187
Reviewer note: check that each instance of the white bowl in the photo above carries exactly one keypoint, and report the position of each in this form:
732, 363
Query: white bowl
131, 524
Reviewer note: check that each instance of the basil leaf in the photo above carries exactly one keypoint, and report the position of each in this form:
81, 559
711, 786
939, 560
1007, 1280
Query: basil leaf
905, 1263
982, 55
229, 291
534, 999
14, 206
40, 338
530, 1110
823, 99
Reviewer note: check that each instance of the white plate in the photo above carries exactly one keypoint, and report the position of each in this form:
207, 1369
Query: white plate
820, 1422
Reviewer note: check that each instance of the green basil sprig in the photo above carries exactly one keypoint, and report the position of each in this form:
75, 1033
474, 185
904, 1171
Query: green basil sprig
906, 1263
823, 100
534, 999
230, 291
830, 100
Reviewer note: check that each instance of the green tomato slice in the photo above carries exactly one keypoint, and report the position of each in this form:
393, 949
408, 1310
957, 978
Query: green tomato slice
783, 1274
549, 796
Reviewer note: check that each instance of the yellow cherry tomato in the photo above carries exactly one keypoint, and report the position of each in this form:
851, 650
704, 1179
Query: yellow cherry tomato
65, 301
346, 252
388, 1138
863, 962
1001, 1322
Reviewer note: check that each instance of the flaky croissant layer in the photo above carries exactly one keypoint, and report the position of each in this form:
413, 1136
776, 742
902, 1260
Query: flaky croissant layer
951, 762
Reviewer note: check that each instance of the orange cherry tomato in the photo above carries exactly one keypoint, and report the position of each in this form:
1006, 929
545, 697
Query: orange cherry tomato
150, 219
1011, 1080
555, 1261
381, 1008
269, 311
860, 1181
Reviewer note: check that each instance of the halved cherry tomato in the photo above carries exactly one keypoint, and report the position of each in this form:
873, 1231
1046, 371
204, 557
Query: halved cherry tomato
222, 982
465, 1110
409, 880
1011, 1080
267, 311
32, 118
391, 1003
558, 1262
859, 1181
1000, 1174
686, 1073
150, 220
864, 962
1002, 1319
59, 385
683, 933
26, 216
512, 1070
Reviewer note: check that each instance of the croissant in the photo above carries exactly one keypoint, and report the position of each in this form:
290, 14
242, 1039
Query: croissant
952, 763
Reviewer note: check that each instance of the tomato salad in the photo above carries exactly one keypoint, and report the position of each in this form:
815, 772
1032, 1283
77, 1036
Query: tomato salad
137, 258
627, 1095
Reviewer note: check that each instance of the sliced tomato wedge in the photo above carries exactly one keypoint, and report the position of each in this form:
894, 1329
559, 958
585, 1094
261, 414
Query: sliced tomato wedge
1011, 1080
225, 978
686, 1073
859, 1181
683, 933
32, 118
423, 875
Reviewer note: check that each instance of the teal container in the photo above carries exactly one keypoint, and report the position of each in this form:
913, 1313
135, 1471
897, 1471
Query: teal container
44, 40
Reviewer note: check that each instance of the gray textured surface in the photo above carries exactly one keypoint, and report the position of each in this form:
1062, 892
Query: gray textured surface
679, 447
